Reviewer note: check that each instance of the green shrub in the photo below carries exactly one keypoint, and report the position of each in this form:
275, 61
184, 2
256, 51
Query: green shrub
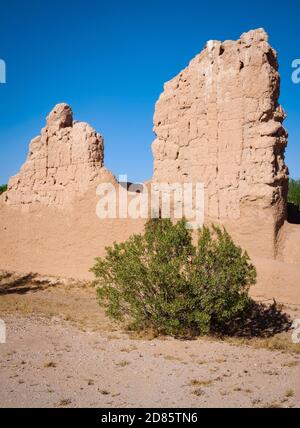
294, 192
160, 280
3, 188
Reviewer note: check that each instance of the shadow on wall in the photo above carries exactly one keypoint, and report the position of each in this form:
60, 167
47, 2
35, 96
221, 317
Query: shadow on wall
293, 214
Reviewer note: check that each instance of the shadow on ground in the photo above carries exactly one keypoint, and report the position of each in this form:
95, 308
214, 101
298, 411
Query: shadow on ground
11, 283
260, 321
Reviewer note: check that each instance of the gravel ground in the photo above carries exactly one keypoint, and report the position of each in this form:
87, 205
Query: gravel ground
50, 363
61, 351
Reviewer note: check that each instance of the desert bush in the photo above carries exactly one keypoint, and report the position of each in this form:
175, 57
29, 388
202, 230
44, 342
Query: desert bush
3, 188
161, 280
294, 192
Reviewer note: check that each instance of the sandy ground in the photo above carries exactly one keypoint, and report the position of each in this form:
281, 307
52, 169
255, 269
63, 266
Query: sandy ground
61, 351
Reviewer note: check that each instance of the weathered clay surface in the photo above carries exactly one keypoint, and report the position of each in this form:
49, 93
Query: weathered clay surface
219, 122
61, 164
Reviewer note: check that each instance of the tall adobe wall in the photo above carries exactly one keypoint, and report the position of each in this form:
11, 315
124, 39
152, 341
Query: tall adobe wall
62, 162
219, 123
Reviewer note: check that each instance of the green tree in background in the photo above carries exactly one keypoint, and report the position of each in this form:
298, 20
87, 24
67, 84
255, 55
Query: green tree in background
294, 192
3, 188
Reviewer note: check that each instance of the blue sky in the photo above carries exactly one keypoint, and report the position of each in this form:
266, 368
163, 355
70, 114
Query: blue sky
109, 60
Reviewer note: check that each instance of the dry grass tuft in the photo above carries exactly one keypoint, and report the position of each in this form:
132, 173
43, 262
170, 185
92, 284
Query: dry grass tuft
64, 402
197, 382
50, 365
